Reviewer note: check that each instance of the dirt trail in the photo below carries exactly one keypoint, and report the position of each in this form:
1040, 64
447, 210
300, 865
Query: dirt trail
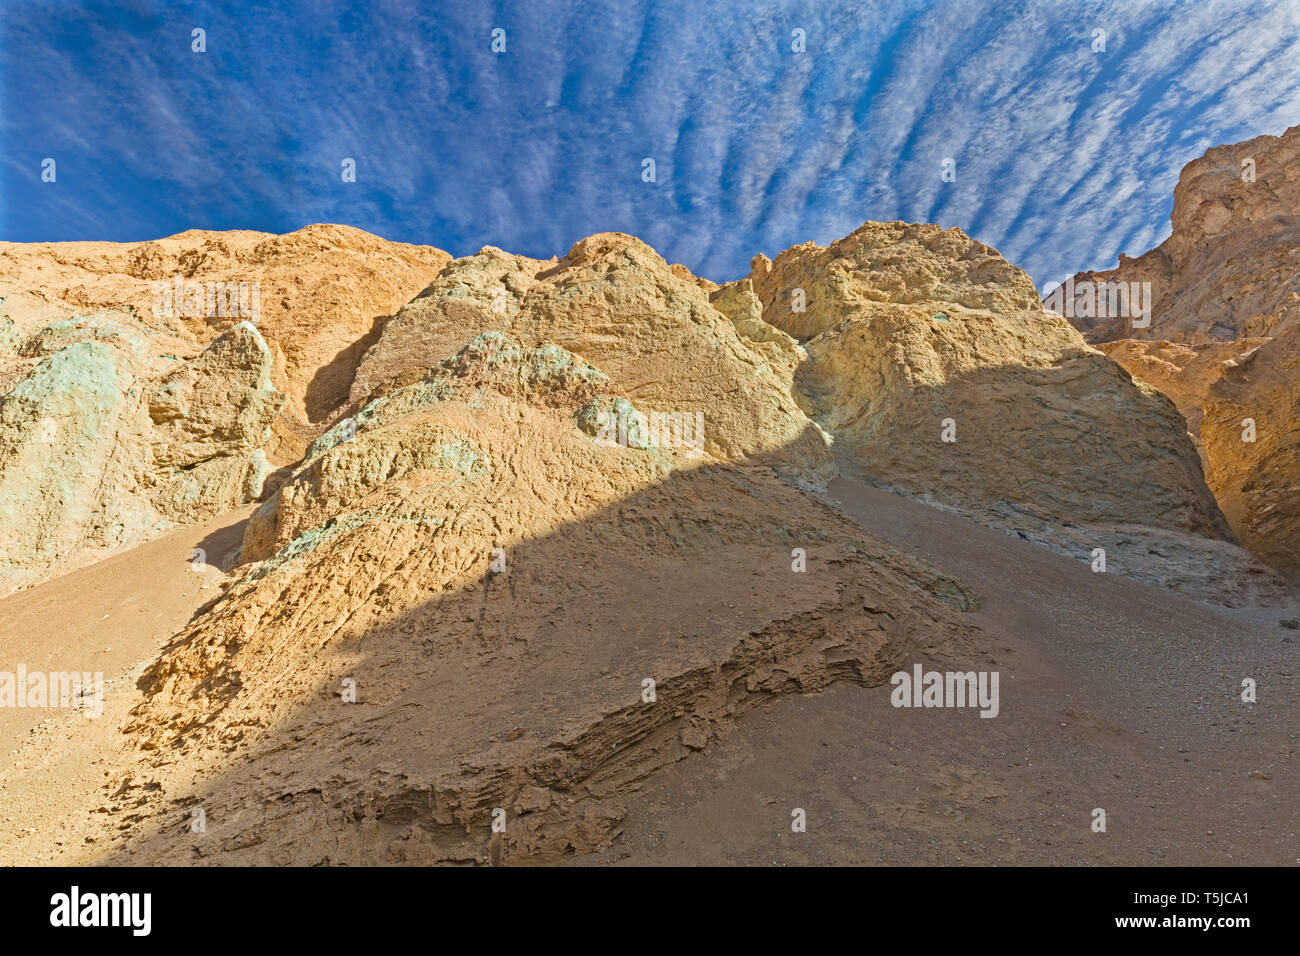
109, 618
1114, 695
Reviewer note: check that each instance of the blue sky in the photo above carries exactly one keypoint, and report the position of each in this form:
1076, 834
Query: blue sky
1064, 156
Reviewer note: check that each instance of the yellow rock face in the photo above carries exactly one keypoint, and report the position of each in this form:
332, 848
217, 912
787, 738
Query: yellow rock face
322, 293
933, 365
1221, 341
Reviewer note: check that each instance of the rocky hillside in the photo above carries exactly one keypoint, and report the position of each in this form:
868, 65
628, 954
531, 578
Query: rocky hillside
908, 354
152, 383
933, 364
1221, 340
319, 297
575, 506
615, 302
580, 612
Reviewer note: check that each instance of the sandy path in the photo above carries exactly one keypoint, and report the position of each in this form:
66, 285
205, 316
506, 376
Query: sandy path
1114, 695
110, 618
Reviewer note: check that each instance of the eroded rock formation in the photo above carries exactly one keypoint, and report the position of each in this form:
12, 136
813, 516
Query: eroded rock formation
104, 444
465, 546
151, 383
933, 364
1221, 342
553, 524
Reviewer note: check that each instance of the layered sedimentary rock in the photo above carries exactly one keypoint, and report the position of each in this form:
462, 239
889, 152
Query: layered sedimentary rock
1225, 299
578, 611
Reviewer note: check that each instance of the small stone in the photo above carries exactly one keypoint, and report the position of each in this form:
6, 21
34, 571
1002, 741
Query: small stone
695, 737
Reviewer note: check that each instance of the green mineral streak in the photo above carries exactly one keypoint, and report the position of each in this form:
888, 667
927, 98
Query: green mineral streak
8, 334
449, 452
941, 317
498, 350
102, 326
392, 406
313, 538
383, 410
614, 419
552, 358
86, 369
335, 436
498, 347
310, 540
552, 361
258, 468
626, 412
461, 456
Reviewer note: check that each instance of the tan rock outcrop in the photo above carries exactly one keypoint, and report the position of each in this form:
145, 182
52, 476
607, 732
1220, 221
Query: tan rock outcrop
104, 444
614, 301
581, 612
320, 296
1184, 373
212, 418
1252, 447
1225, 299
933, 364
1230, 268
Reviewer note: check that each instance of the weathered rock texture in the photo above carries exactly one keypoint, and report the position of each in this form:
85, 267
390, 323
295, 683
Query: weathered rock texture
320, 294
914, 333
894, 331
489, 579
1230, 268
614, 301
127, 408
375, 569
1258, 482
1221, 341
105, 443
